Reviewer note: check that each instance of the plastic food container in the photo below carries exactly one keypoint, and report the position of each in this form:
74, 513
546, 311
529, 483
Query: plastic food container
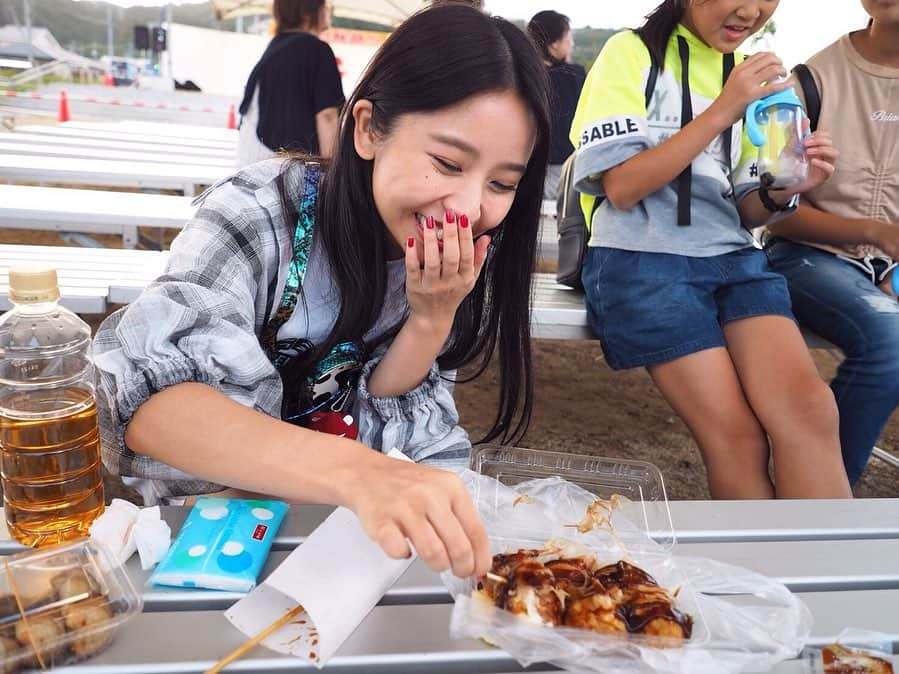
640, 482
641, 510
618, 511
60, 605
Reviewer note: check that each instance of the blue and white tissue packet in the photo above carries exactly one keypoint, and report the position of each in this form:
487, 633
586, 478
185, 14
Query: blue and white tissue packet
222, 544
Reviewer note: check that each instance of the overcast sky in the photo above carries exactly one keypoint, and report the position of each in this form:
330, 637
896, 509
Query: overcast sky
801, 30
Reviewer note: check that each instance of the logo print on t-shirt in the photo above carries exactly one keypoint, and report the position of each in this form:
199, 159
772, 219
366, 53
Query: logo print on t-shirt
884, 116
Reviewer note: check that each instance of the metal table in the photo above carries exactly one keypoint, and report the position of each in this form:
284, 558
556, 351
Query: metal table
841, 557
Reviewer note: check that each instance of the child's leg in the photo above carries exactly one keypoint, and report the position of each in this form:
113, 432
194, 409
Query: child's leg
793, 404
836, 301
704, 390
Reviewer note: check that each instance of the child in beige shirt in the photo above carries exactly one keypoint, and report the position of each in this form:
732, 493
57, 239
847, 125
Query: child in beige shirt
839, 250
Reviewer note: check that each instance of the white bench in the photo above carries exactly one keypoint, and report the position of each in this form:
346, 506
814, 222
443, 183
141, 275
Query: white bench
108, 173
68, 151
104, 134
548, 246
193, 131
91, 211
557, 312
90, 279
43, 140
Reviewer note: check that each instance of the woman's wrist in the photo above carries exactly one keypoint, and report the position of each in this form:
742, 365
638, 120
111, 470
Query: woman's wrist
339, 474
430, 328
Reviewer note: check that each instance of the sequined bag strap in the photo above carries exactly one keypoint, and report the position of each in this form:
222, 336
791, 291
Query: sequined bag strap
302, 243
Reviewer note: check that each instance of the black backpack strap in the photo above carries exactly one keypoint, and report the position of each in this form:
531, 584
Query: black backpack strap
726, 69
651, 80
810, 92
685, 179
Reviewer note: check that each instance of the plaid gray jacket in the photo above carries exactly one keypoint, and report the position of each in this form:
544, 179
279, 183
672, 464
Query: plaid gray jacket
201, 320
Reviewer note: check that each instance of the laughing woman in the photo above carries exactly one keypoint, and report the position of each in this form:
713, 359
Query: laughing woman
306, 297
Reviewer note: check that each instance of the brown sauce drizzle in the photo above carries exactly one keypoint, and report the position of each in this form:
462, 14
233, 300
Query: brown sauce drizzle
642, 600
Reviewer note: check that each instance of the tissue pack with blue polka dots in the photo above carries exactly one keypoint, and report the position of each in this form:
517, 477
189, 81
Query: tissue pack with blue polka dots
222, 545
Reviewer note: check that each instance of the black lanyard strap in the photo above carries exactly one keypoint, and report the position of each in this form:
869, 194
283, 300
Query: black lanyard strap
685, 179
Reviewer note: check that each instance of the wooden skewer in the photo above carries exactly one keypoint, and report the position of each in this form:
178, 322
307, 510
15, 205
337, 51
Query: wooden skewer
242, 650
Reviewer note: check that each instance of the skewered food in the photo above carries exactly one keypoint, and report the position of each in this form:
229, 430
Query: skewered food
84, 614
557, 586
61, 614
44, 633
72, 584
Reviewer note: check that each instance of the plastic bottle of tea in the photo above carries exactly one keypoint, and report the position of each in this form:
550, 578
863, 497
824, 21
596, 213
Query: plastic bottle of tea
49, 440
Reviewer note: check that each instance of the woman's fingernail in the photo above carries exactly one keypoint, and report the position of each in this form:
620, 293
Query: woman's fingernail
463, 221
411, 242
429, 222
450, 215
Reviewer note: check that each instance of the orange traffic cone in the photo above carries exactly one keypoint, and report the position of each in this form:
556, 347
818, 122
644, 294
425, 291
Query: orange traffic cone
232, 118
107, 80
63, 107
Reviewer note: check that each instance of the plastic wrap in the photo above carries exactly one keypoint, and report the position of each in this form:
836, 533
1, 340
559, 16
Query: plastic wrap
742, 620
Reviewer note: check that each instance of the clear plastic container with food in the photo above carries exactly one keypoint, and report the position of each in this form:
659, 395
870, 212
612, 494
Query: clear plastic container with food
585, 574
61, 604
619, 535
637, 484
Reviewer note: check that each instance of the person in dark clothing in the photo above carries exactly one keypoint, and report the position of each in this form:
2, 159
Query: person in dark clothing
293, 96
551, 34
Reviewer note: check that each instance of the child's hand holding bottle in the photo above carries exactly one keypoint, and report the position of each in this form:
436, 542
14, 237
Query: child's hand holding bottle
758, 76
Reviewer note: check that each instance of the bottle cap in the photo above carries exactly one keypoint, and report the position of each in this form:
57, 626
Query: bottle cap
31, 285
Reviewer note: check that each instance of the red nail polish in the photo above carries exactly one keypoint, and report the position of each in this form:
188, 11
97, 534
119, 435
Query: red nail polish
450, 215
429, 221
411, 242
463, 221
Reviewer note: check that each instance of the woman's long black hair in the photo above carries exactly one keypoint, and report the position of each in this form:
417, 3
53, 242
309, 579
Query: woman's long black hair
545, 28
659, 25
437, 58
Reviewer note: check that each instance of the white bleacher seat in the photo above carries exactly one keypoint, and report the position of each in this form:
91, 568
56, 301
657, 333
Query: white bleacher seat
74, 132
166, 129
69, 151
90, 211
38, 139
108, 173
90, 279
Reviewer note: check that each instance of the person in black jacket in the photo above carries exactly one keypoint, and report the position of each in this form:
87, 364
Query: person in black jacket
294, 93
551, 34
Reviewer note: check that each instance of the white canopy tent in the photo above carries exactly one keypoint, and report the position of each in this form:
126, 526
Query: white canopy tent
384, 12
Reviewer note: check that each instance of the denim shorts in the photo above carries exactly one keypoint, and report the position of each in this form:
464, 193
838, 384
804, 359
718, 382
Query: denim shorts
649, 308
